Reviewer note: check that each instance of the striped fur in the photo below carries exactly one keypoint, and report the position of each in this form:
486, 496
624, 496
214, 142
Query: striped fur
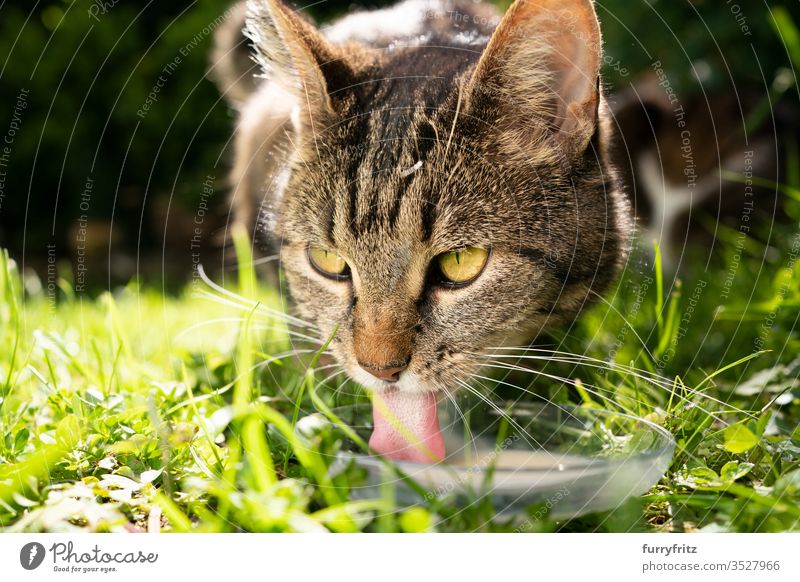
420, 144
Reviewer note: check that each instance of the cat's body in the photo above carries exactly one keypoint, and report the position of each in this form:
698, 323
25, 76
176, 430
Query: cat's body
396, 141
698, 164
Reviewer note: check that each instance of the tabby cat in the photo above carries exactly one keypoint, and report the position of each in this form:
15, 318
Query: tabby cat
434, 175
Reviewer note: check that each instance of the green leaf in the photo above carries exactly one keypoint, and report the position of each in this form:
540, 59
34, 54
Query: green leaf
739, 438
21, 440
788, 484
763, 420
703, 476
415, 520
640, 441
734, 470
68, 431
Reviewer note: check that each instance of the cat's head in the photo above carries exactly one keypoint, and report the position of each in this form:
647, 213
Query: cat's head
443, 200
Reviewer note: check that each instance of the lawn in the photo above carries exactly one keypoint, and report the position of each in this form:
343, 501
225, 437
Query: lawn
140, 411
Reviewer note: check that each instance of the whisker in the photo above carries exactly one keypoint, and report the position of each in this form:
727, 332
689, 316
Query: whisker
531, 393
645, 375
244, 302
467, 429
591, 388
255, 262
290, 332
654, 380
227, 387
255, 307
267, 259
580, 356
281, 356
625, 320
568, 358
499, 411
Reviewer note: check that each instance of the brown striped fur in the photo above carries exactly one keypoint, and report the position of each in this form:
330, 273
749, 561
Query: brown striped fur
392, 148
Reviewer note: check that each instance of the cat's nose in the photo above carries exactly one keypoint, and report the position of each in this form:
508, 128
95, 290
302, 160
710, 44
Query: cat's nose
386, 373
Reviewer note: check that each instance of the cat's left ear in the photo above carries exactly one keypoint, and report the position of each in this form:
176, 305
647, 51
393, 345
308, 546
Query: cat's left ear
294, 54
540, 71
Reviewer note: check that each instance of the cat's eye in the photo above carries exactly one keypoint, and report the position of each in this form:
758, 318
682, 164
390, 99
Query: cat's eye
462, 266
328, 263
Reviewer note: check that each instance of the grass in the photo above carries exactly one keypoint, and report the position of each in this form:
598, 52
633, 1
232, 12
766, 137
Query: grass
137, 411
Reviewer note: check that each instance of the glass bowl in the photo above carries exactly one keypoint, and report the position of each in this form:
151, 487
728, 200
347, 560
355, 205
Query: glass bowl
524, 456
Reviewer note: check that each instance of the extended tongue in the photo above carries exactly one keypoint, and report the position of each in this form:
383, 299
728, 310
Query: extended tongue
407, 427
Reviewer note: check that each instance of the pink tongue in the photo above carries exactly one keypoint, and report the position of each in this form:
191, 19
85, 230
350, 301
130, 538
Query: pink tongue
407, 427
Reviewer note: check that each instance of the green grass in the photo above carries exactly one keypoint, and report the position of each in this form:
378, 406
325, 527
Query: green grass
138, 411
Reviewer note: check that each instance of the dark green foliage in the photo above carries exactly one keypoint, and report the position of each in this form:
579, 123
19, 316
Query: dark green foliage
88, 77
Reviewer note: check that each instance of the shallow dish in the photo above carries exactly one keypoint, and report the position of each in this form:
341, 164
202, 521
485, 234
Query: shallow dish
523, 456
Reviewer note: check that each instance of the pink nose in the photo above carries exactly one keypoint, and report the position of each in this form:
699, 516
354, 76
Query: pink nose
385, 373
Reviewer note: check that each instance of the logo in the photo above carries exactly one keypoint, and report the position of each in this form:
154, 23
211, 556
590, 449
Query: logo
31, 555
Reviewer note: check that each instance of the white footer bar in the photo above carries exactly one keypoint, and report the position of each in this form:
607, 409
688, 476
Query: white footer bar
385, 558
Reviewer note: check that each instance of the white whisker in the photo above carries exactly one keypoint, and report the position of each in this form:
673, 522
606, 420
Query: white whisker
590, 388
290, 332
652, 380
256, 307
502, 413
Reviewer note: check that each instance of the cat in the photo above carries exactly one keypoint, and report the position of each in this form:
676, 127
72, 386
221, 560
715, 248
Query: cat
434, 175
698, 163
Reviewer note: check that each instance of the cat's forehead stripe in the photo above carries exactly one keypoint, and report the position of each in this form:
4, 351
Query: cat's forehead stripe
376, 171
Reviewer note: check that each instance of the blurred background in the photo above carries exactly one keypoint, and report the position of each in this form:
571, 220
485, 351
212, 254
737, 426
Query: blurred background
116, 144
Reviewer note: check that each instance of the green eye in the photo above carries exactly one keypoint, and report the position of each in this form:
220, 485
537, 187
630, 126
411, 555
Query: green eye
328, 263
462, 266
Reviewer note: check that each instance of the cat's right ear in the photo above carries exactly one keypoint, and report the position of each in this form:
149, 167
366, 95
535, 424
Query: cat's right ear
537, 79
295, 55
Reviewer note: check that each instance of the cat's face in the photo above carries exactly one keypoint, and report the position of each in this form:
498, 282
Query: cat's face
429, 219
